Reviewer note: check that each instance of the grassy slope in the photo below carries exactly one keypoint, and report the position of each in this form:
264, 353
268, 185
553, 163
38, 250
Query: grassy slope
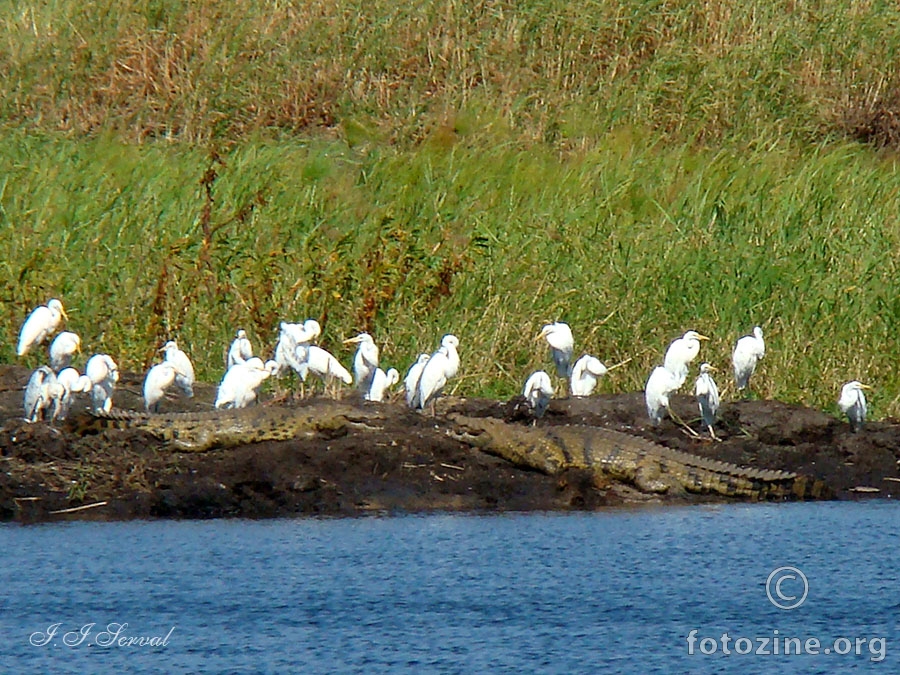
633, 168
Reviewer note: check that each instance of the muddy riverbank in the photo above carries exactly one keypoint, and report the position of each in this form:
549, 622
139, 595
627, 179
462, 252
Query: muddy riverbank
409, 464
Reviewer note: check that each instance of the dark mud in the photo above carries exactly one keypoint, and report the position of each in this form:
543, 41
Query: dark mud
51, 472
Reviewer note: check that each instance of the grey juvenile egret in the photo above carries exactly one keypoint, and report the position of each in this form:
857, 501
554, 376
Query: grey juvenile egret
239, 386
158, 379
681, 352
240, 350
585, 373
537, 392
365, 361
322, 364
42, 391
184, 369
381, 382
63, 348
853, 403
707, 394
747, 351
411, 381
440, 367
72, 383
562, 344
40, 324
103, 374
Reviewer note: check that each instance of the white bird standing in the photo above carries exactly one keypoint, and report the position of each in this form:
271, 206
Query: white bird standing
103, 374
660, 385
239, 387
63, 348
747, 352
322, 364
381, 382
707, 394
291, 336
537, 392
184, 369
853, 403
411, 381
40, 324
585, 374
42, 391
562, 344
240, 350
440, 367
72, 383
158, 379
681, 352
365, 361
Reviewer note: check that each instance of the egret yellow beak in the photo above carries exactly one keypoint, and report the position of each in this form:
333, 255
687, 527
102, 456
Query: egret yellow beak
702, 337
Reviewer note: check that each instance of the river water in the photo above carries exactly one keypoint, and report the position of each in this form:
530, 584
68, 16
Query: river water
650, 590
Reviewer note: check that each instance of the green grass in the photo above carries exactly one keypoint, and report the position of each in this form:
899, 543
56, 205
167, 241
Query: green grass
636, 169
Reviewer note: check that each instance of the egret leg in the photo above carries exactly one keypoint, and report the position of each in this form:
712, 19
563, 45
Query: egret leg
680, 421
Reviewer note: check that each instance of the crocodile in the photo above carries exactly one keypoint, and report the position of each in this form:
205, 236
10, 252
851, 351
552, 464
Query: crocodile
650, 467
201, 431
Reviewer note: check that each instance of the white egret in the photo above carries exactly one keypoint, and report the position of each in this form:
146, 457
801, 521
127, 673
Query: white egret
381, 382
747, 352
585, 373
40, 324
681, 352
239, 387
707, 394
853, 403
184, 369
365, 361
411, 381
72, 383
103, 374
63, 348
291, 336
660, 385
537, 392
322, 364
284, 350
240, 350
158, 379
440, 367
42, 391
562, 344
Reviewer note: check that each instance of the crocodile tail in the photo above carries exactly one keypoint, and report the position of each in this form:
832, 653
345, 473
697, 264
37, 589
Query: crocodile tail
95, 422
807, 487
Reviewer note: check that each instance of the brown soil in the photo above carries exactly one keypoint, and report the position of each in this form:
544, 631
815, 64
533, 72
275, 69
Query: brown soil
410, 466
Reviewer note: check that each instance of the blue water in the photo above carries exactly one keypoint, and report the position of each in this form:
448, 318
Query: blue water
617, 591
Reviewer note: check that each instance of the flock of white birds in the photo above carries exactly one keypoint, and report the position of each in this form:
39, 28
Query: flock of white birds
668, 378
49, 392
50, 389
